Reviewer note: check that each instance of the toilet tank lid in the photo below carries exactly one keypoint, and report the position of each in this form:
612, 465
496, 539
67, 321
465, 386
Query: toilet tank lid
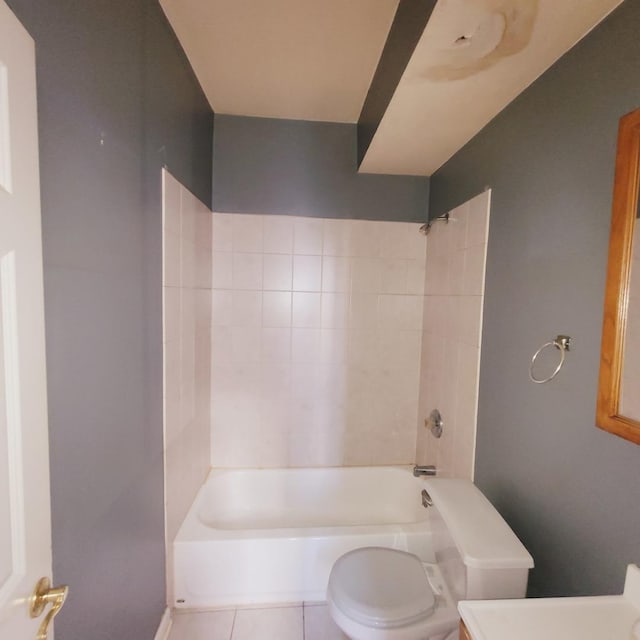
483, 538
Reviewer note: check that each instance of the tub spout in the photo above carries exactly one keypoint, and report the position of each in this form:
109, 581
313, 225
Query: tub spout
428, 470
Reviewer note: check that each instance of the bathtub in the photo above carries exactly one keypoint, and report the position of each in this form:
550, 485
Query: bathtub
266, 536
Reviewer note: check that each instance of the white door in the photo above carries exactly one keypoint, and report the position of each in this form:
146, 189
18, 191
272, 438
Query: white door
25, 519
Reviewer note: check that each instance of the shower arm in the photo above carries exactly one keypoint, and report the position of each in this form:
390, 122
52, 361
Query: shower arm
425, 228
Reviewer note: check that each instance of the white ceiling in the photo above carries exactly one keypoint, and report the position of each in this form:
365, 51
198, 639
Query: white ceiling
315, 59
299, 59
449, 92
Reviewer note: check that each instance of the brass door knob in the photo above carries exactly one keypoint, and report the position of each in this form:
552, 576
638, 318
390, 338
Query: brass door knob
42, 595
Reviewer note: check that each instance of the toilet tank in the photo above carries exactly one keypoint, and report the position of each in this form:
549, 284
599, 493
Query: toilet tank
480, 556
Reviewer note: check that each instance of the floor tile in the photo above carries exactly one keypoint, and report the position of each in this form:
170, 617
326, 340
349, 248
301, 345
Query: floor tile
205, 625
284, 623
318, 624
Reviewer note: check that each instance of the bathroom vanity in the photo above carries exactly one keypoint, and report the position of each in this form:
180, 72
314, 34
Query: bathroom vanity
588, 618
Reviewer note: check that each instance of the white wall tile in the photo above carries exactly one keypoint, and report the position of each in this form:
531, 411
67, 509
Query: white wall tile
204, 227
187, 216
364, 347
276, 309
333, 386
478, 219
365, 275
307, 273
334, 346
400, 349
337, 238
247, 271
275, 380
416, 276
187, 377
171, 259
393, 275
458, 220
246, 308
187, 320
221, 346
452, 320
246, 344
474, 270
305, 310
247, 233
307, 236
171, 316
203, 269
400, 312
274, 440
366, 238
305, 379
222, 270
468, 320
394, 240
276, 345
278, 234
456, 272
187, 263
203, 309
437, 269
170, 203
172, 387
467, 397
326, 394
416, 242
436, 316
305, 345
335, 310
222, 232
363, 310
221, 308
277, 272
336, 274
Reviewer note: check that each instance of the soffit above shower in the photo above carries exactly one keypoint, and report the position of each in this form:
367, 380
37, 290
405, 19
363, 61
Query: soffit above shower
312, 60
473, 59
296, 59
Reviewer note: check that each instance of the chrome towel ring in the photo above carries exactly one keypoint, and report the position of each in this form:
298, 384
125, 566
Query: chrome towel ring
563, 343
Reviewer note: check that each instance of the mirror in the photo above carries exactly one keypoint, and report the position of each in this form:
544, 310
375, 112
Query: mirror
618, 407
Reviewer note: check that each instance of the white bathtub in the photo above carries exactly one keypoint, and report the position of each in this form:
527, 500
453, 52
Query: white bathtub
272, 535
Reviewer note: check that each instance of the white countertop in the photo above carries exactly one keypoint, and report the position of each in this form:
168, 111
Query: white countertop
589, 618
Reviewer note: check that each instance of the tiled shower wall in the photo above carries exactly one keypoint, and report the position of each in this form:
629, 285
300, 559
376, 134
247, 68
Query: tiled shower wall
454, 295
316, 341
187, 348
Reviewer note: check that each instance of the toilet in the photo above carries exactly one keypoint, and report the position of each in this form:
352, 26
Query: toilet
377, 593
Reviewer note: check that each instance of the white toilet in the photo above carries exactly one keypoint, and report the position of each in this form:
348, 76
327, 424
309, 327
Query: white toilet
377, 593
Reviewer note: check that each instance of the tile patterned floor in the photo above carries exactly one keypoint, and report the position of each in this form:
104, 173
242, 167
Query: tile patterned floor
304, 622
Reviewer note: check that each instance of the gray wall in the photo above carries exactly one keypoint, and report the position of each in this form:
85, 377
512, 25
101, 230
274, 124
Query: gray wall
568, 489
109, 70
296, 167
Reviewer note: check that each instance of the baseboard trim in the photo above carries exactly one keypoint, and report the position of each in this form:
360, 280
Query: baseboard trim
165, 626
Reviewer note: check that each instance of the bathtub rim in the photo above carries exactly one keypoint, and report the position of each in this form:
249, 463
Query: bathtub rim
193, 529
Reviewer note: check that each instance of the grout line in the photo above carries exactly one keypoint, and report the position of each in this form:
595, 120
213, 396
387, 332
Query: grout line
303, 625
233, 624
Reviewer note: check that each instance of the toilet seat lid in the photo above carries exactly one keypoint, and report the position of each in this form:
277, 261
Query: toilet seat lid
381, 587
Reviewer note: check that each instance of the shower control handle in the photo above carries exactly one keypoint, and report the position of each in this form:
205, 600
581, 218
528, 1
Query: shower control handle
434, 423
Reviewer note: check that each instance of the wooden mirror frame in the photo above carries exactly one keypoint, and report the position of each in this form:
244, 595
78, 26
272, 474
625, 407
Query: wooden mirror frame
623, 218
